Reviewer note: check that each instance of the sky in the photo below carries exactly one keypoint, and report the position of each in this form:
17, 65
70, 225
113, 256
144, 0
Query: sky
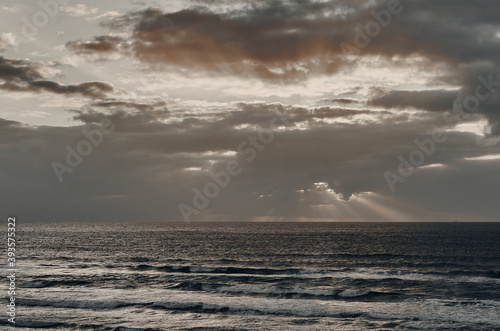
250, 110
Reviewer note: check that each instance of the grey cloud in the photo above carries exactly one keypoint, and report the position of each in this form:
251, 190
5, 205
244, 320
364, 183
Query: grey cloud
287, 32
155, 156
144, 162
132, 112
481, 92
432, 100
17, 70
251, 42
23, 76
7, 41
114, 104
101, 44
256, 114
291, 41
343, 101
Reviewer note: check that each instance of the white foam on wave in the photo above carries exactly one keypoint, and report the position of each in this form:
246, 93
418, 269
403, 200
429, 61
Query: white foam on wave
424, 314
428, 312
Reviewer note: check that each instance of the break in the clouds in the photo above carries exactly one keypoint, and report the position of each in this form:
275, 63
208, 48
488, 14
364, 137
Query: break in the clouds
289, 110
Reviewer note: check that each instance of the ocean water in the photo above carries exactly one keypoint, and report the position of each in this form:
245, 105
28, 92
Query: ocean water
258, 276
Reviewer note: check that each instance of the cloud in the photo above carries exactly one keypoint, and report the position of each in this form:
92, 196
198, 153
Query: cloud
102, 48
102, 44
288, 42
135, 112
7, 40
233, 44
480, 92
343, 101
12, 9
325, 161
97, 90
24, 76
431, 100
106, 16
288, 35
17, 70
79, 10
144, 160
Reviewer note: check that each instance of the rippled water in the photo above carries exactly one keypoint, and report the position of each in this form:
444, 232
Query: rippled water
272, 276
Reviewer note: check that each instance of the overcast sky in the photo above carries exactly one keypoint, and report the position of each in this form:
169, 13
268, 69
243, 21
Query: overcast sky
303, 110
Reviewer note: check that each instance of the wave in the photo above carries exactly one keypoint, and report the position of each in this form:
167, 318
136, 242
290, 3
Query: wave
487, 274
282, 292
75, 304
425, 310
412, 314
252, 289
23, 323
37, 324
194, 306
218, 270
324, 273
201, 307
52, 283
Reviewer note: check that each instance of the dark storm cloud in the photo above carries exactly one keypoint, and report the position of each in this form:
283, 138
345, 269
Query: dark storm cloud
434, 100
23, 76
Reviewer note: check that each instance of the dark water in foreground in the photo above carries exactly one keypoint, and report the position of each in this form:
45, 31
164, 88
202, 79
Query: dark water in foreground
273, 276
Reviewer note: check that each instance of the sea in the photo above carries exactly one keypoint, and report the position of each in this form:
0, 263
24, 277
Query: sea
256, 276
